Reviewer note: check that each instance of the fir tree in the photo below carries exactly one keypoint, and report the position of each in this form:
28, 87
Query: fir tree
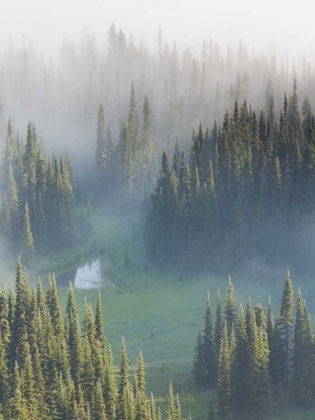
74, 342
224, 377
27, 233
209, 348
230, 307
286, 319
110, 389
218, 324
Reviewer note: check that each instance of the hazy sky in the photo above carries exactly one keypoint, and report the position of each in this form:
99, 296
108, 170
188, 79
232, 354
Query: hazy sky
284, 23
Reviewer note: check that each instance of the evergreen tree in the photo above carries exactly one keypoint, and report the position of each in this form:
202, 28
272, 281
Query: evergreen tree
99, 411
150, 167
141, 373
286, 319
224, 377
230, 307
4, 374
171, 410
134, 131
19, 348
100, 146
127, 160
110, 389
27, 233
302, 353
99, 326
209, 348
241, 373
218, 324
74, 342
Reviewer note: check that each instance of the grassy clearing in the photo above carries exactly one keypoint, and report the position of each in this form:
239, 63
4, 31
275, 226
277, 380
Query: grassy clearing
156, 310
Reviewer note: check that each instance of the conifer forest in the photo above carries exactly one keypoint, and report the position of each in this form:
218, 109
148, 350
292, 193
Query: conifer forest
164, 193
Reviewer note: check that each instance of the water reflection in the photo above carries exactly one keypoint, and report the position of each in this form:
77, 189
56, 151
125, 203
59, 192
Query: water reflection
89, 276
86, 277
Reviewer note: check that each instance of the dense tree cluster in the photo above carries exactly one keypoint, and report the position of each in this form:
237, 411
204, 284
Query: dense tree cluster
254, 361
248, 189
37, 207
131, 165
55, 369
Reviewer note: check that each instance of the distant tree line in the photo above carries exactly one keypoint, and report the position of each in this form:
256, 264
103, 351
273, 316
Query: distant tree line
55, 369
129, 168
255, 362
249, 189
37, 208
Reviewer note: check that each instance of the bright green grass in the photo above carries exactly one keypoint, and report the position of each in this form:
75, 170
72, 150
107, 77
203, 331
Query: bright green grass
156, 310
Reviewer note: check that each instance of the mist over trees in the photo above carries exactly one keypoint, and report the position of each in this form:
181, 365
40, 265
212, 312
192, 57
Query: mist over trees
237, 167
214, 153
38, 209
184, 88
248, 190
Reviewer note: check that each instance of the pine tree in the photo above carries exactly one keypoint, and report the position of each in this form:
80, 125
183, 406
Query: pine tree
150, 167
27, 233
30, 157
16, 406
152, 408
19, 348
209, 348
141, 373
28, 388
4, 374
177, 158
99, 411
53, 304
99, 325
230, 307
110, 389
218, 324
171, 403
287, 322
261, 376
134, 131
100, 146
74, 343
87, 380
124, 368
89, 325
224, 377
127, 160
302, 353
241, 379
14, 203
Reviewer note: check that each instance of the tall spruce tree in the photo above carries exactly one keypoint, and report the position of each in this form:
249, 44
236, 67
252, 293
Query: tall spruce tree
74, 342
27, 232
224, 377
209, 347
230, 306
287, 322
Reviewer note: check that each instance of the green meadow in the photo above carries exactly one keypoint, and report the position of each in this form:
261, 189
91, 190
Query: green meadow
158, 310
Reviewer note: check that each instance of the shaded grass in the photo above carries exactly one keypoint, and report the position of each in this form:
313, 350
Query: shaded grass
296, 415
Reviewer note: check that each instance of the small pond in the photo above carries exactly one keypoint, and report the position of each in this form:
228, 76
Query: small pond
87, 276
